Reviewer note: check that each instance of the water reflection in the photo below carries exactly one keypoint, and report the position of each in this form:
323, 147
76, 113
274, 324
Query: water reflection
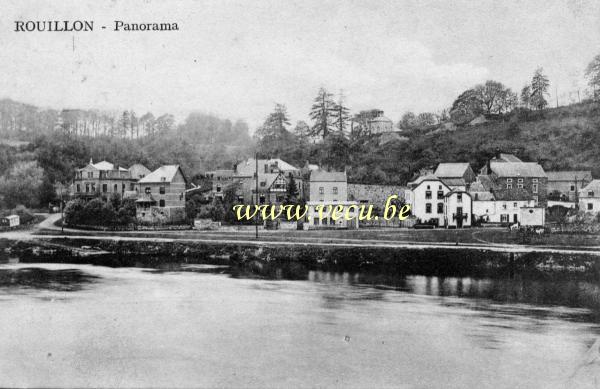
63, 280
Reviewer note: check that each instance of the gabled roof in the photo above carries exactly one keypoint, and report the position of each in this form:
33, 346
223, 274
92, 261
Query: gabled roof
104, 165
427, 177
571, 176
517, 169
248, 166
451, 169
593, 186
325, 176
454, 181
506, 158
166, 171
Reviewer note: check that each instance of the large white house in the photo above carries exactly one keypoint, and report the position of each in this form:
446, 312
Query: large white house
427, 198
458, 209
326, 189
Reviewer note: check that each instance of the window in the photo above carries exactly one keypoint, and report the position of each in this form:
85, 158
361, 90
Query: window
572, 188
90, 174
535, 199
535, 180
335, 190
428, 195
87, 188
321, 190
163, 179
428, 208
428, 187
591, 194
148, 190
161, 190
78, 188
161, 203
93, 187
515, 205
316, 221
440, 208
123, 187
440, 194
590, 206
504, 218
104, 188
115, 188
535, 188
504, 206
508, 186
520, 180
131, 186
440, 187
218, 188
459, 197
509, 180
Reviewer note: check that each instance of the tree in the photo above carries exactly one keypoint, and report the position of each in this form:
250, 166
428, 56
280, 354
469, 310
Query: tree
147, 122
134, 124
526, 96
490, 94
124, 124
302, 130
21, 185
408, 121
592, 73
425, 119
539, 88
321, 113
292, 190
466, 106
341, 115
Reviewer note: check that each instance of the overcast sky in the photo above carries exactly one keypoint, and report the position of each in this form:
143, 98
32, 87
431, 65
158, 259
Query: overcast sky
237, 59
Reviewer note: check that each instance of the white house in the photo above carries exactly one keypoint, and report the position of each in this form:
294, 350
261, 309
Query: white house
458, 209
326, 189
427, 199
589, 197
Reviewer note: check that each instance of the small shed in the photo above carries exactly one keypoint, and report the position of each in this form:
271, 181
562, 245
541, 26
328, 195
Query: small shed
10, 221
533, 216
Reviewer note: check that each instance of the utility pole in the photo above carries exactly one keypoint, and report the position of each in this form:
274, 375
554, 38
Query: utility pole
256, 194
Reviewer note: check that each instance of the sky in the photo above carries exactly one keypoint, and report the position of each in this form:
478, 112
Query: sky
237, 59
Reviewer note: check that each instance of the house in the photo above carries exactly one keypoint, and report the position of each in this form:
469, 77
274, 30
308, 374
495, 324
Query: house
138, 171
458, 209
589, 197
373, 121
101, 178
502, 207
529, 176
326, 189
272, 189
248, 167
565, 185
219, 180
457, 175
376, 195
161, 197
427, 199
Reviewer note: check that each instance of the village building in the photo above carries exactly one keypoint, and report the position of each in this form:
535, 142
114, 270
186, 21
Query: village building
498, 207
457, 175
161, 198
102, 178
376, 195
565, 185
372, 121
589, 197
326, 189
219, 180
458, 209
529, 176
427, 198
274, 179
248, 167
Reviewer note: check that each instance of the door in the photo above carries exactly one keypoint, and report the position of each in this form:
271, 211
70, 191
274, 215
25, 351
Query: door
515, 218
459, 217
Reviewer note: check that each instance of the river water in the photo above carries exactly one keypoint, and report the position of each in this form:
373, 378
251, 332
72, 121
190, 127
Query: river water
197, 326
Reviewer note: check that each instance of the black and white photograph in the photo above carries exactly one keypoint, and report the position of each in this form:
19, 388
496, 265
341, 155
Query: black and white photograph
300, 194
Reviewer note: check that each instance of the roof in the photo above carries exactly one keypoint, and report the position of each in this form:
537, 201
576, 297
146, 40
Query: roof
517, 169
451, 169
512, 195
454, 181
574, 175
380, 119
482, 196
104, 165
221, 172
506, 158
248, 166
593, 186
166, 171
325, 176
269, 178
457, 191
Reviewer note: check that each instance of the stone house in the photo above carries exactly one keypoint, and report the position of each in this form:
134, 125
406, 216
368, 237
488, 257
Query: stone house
375, 195
565, 185
427, 198
528, 176
329, 189
457, 175
161, 198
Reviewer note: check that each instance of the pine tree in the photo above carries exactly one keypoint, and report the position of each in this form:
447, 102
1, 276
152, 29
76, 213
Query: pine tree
321, 113
341, 115
539, 88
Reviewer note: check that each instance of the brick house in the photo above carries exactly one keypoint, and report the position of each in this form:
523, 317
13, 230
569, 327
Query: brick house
528, 176
161, 196
457, 175
565, 185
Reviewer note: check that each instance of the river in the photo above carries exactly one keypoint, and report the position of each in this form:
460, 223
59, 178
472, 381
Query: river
67, 325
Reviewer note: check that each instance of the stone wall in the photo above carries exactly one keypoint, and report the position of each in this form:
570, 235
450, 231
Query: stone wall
375, 195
